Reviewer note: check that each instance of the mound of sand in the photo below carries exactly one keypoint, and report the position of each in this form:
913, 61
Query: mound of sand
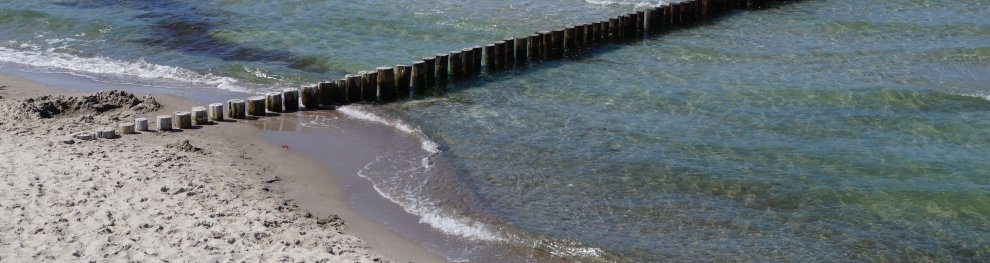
95, 103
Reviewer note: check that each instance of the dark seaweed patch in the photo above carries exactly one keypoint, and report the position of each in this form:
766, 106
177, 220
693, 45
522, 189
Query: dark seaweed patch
182, 27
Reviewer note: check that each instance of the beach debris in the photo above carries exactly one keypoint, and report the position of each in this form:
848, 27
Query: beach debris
184, 146
285, 147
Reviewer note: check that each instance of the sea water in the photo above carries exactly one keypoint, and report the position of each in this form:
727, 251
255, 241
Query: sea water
816, 130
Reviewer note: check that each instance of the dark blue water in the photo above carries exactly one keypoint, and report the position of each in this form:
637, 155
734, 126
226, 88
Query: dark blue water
818, 130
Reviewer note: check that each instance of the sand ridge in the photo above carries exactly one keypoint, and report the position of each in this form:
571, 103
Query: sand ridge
151, 196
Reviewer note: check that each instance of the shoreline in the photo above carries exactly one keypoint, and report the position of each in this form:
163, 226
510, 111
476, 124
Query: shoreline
290, 169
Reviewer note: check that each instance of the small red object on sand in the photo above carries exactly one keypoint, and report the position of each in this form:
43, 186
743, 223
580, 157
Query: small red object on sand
285, 147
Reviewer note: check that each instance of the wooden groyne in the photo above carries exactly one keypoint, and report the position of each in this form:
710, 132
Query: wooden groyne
431, 75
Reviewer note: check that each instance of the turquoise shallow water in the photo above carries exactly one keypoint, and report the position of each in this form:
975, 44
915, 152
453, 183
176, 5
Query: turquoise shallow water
819, 130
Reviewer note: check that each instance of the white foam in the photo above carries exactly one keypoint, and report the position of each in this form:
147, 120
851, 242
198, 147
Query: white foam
97, 66
425, 143
415, 203
411, 200
976, 95
635, 3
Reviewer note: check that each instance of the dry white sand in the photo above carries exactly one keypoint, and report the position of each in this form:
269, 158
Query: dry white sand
197, 195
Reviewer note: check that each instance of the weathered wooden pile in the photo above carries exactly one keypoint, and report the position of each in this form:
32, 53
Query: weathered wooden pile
431, 75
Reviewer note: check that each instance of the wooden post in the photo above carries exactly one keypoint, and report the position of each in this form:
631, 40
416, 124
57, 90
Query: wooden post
290, 99
309, 96
522, 44
596, 34
682, 13
579, 36
182, 119
324, 91
431, 72
255, 106
545, 43
369, 86
441, 70
164, 122
141, 124
673, 14
126, 128
199, 116
352, 83
584, 35
509, 54
613, 28
533, 50
625, 22
640, 21
704, 8
464, 62
340, 91
499, 54
685, 15
477, 59
386, 84
235, 109
467, 61
456, 68
215, 111
105, 133
570, 39
631, 27
650, 17
404, 76
557, 38
695, 10
663, 17
273, 101
490, 55
605, 30
419, 78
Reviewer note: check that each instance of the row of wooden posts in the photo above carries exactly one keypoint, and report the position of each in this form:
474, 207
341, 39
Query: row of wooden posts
431, 75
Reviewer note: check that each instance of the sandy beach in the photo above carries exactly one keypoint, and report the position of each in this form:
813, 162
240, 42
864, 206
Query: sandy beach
211, 193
